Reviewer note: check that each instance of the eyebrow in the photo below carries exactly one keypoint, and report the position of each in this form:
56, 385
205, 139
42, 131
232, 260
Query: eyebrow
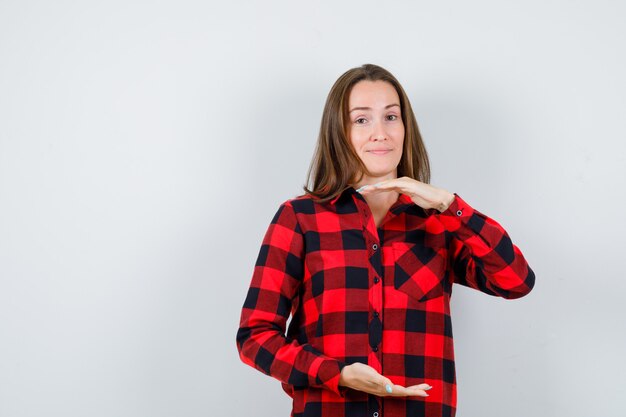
369, 108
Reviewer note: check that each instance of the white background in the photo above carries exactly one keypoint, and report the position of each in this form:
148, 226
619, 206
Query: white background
145, 146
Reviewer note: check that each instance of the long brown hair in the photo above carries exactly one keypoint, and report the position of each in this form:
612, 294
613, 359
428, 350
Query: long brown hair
335, 164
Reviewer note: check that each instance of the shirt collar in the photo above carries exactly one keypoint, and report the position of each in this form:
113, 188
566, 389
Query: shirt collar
348, 190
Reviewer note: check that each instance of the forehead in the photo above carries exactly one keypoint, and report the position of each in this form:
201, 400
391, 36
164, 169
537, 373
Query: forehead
373, 93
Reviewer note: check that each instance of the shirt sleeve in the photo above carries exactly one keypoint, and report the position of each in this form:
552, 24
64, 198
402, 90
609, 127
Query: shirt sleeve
483, 256
275, 283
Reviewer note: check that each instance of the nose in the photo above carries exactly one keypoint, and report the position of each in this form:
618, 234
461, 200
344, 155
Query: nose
378, 132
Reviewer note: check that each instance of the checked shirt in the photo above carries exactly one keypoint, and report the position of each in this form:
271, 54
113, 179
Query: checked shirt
376, 295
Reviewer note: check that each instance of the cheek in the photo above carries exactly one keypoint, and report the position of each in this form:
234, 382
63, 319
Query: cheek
357, 139
400, 131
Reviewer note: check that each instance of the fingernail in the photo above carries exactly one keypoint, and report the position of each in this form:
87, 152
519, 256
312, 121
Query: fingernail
388, 388
427, 388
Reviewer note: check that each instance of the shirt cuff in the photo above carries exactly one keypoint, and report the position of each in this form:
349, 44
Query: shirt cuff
328, 376
457, 214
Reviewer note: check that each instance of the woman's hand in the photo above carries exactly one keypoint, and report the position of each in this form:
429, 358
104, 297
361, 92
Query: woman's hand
362, 377
422, 194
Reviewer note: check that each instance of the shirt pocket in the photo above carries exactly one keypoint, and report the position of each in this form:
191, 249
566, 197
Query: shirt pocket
418, 270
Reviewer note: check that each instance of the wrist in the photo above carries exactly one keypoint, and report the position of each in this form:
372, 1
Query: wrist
343, 376
446, 200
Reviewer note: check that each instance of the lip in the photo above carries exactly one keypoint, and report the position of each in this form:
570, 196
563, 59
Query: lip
379, 151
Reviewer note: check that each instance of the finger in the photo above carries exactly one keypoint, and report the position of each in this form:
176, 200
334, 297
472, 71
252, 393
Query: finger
376, 188
400, 391
419, 390
385, 185
368, 188
394, 185
381, 184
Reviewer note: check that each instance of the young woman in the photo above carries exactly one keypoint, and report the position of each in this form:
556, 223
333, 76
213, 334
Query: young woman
364, 263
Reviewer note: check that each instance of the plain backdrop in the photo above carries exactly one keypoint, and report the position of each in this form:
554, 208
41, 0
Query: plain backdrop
145, 146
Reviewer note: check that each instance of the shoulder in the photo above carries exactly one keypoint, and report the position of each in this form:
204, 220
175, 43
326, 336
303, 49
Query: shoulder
302, 204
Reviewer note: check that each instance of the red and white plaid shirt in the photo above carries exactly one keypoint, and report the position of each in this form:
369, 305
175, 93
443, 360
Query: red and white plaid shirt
380, 296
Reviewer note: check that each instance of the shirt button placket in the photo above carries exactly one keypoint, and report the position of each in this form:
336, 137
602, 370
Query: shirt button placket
374, 406
375, 327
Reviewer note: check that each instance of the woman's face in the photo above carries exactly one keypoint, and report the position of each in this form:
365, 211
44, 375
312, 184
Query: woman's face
375, 128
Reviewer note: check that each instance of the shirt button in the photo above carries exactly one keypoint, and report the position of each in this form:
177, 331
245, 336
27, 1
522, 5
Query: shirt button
375, 414
375, 348
375, 313
374, 246
376, 279
459, 212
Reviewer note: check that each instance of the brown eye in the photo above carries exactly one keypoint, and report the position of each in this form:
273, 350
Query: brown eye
393, 117
357, 120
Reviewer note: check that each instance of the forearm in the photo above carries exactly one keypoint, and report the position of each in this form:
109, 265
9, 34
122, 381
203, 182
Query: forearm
484, 256
266, 349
